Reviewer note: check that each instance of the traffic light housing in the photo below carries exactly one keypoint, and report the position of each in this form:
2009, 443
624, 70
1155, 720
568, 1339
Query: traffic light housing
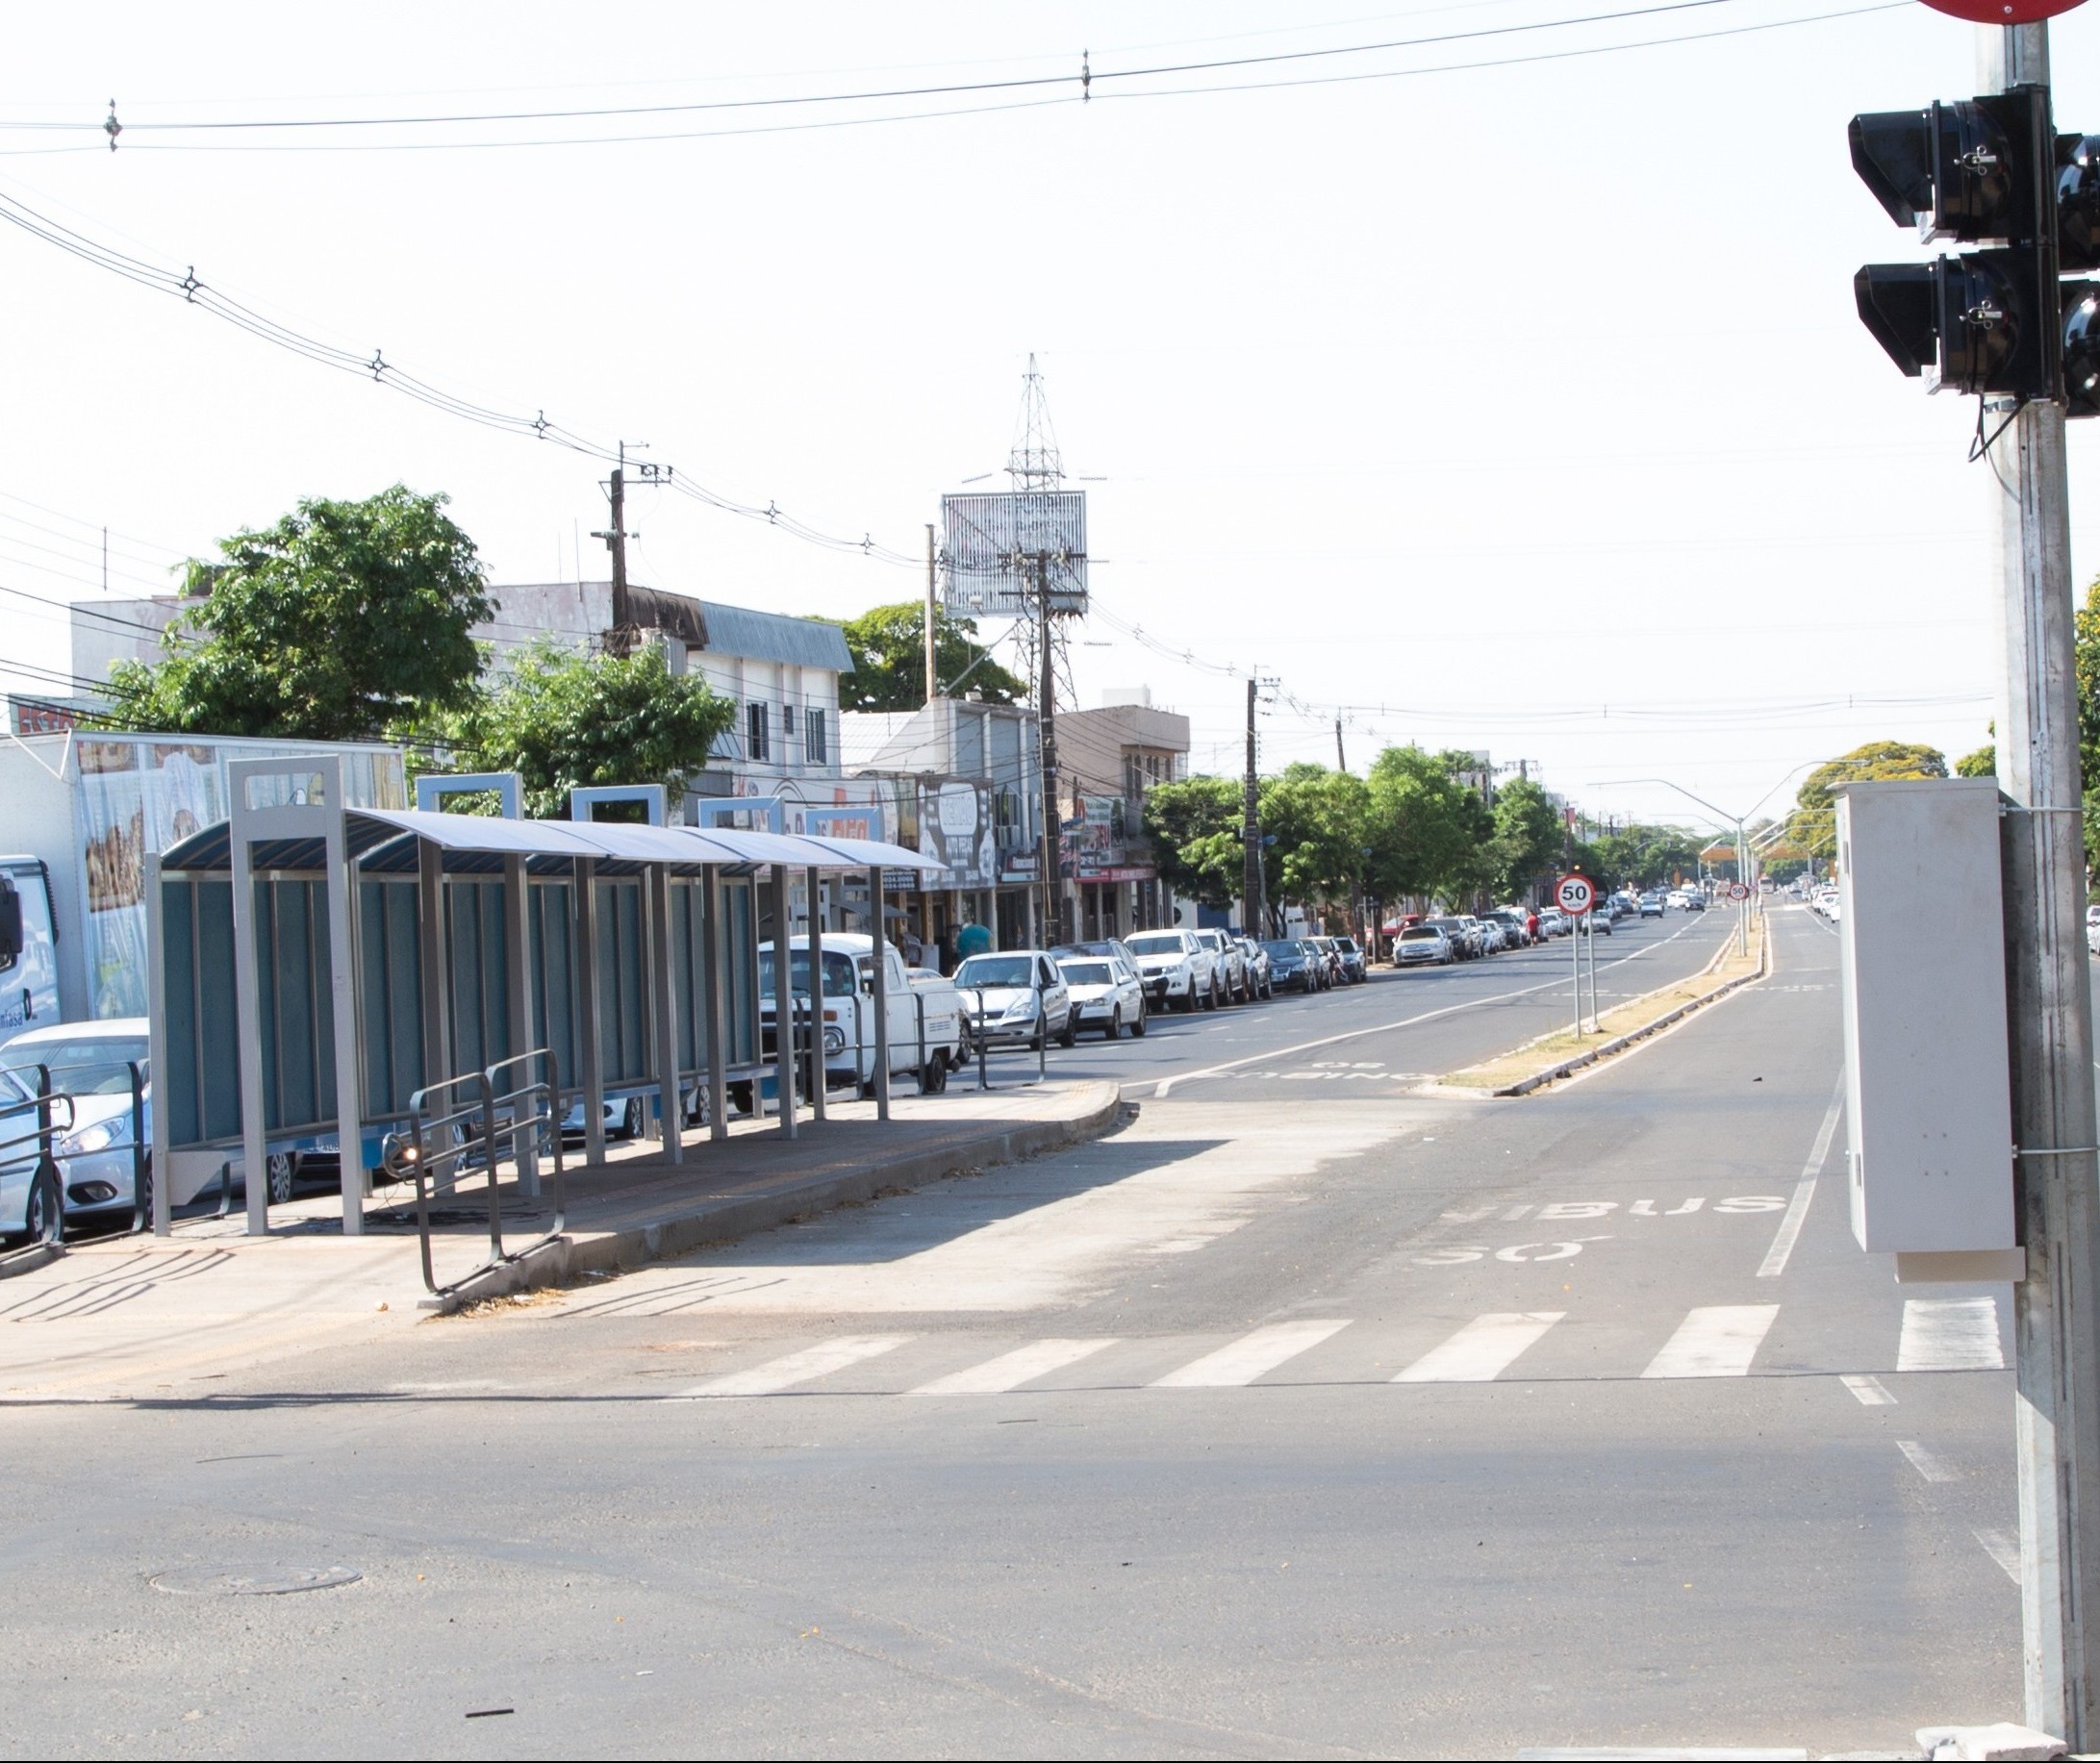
1991, 322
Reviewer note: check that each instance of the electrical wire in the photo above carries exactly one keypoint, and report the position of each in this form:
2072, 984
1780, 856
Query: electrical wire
1084, 80
192, 290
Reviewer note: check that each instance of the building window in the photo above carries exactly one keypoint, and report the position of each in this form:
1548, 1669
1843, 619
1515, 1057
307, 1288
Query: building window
813, 735
755, 735
787, 723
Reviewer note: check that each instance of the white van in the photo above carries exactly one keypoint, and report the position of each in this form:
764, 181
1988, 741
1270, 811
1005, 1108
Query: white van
29, 948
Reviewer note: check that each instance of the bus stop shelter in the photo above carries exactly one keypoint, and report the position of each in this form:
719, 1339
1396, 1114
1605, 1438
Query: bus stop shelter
306, 955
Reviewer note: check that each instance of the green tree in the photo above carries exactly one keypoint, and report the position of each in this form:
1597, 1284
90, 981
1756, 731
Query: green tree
889, 649
1526, 839
1319, 820
1983, 763
1814, 823
1424, 827
1645, 856
561, 720
1194, 827
340, 620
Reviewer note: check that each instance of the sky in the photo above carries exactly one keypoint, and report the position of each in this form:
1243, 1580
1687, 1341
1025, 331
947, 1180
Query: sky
1519, 406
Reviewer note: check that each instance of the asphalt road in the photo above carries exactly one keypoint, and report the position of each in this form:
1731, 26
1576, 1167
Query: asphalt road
1295, 1419
1456, 1015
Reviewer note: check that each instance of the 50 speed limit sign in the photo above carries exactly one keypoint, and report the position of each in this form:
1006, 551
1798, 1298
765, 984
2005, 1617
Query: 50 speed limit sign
1574, 895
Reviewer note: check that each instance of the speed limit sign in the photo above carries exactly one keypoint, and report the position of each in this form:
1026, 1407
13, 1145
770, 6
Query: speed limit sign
1574, 895
1738, 891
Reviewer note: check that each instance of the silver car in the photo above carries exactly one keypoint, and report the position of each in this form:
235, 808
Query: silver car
90, 1068
1106, 993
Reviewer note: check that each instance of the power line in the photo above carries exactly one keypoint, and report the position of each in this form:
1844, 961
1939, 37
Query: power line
192, 290
1071, 87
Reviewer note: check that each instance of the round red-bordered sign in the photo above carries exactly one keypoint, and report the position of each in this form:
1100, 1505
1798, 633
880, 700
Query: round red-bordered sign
1574, 895
2003, 12
1738, 891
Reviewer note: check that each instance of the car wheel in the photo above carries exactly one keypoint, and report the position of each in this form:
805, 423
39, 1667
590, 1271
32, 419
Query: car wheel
141, 1199
630, 1119
1137, 1028
1113, 1031
1069, 1035
933, 1074
44, 1213
282, 1169
741, 1098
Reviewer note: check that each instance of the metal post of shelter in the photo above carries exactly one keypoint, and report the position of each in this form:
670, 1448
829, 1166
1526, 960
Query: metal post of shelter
591, 1056
430, 945
517, 988
881, 965
817, 985
664, 995
783, 1003
343, 1013
164, 1216
716, 1004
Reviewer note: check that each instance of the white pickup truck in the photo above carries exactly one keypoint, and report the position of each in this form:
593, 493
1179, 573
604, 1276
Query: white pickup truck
926, 1013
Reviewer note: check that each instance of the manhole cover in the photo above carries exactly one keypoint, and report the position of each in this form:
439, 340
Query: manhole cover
262, 1581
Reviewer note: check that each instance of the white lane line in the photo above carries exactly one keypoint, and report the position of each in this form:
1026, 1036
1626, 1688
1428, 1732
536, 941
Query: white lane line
2003, 1548
1870, 1390
1797, 1211
1950, 1334
1009, 1371
802, 1367
1249, 1356
1927, 1464
1166, 1083
1483, 1349
1714, 1340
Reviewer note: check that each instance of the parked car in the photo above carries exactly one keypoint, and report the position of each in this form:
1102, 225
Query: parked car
1258, 967
1229, 965
1513, 926
1293, 966
1651, 905
1179, 971
848, 1014
1493, 933
1355, 969
1424, 945
1464, 945
1552, 922
1106, 994
1017, 994
89, 1062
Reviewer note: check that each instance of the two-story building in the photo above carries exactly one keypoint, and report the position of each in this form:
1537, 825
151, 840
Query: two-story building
1108, 758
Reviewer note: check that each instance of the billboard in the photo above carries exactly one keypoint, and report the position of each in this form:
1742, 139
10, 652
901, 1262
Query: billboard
1004, 549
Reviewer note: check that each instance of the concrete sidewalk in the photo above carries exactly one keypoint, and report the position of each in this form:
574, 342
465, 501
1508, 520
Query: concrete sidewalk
127, 1315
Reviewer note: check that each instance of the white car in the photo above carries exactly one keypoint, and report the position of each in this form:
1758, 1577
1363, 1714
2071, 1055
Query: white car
1106, 993
1178, 969
90, 1064
1017, 994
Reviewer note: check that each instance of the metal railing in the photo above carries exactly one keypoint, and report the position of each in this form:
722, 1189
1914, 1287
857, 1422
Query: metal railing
462, 1132
979, 1034
29, 1130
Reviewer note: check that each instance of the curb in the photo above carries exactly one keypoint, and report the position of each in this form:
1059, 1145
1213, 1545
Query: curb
567, 1258
28, 1260
1569, 1066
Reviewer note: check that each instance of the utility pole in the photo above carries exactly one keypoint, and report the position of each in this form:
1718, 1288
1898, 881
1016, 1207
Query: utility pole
1251, 865
616, 539
1341, 759
1046, 725
933, 675
2057, 1376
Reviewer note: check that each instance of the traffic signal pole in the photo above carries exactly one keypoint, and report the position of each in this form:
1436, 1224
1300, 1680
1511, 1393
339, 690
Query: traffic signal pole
2055, 1168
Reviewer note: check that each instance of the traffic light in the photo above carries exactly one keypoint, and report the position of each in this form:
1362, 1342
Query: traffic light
1991, 322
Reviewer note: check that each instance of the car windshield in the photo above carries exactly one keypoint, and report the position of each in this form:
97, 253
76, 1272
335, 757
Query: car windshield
1421, 932
838, 974
995, 970
1087, 973
1282, 949
92, 1065
1444, 924
1347, 944
1158, 943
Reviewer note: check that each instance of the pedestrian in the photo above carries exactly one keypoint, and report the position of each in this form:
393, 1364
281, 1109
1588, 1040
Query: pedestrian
914, 951
1531, 925
972, 939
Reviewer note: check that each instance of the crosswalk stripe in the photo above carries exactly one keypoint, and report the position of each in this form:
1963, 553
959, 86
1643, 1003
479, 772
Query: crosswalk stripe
1249, 1356
1950, 1334
800, 1367
1869, 1389
1009, 1371
1714, 1340
1483, 1349
1928, 1463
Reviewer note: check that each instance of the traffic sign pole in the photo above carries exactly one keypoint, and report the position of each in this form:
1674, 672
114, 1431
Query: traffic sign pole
1576, 895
